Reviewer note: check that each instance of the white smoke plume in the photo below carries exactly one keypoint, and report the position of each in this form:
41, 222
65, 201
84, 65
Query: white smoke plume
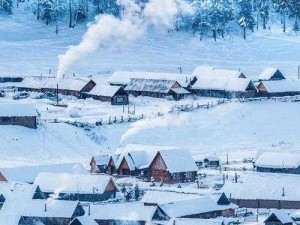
151, 123
131, 25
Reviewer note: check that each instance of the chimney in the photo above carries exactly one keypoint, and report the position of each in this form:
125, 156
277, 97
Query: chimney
89, 213
283, 194
235, 178
45, 207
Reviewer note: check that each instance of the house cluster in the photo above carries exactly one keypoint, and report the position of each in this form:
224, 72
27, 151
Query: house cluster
153, 163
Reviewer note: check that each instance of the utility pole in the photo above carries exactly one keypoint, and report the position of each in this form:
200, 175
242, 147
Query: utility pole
298, 72
180, 69
56, 94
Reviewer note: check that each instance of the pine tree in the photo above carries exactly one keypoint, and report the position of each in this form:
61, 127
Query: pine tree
245, 15
6, 6
282, 6
263, 11
294, 10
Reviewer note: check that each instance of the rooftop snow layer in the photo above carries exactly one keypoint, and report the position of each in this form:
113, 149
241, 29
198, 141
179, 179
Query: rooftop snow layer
178, 160
282, 86
10, 110
283, 216
71, 183
207, 71
267, 73
123, 77
278, 160
268, 186
104, 90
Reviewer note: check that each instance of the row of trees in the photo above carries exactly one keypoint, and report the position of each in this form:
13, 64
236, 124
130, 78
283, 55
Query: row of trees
216, 16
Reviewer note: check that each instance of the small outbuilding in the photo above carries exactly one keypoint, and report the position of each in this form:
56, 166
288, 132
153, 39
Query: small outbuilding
279, 217
99, 163
108, 93
18, 114
211, 161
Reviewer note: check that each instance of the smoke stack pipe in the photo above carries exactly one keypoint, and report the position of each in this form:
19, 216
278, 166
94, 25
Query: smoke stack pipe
56, 94
235, 178
89, 210
283, 194
45, 207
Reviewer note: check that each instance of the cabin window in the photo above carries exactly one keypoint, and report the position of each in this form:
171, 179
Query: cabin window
120, 99
188, 175
176, 175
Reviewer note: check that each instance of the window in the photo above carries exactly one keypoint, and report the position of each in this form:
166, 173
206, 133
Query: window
176, 175
188, 175
120, 99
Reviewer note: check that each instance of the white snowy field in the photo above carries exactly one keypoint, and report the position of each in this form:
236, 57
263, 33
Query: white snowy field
29, 47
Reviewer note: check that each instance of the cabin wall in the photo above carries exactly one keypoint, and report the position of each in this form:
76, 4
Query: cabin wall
278, 170
261, 203
26, 121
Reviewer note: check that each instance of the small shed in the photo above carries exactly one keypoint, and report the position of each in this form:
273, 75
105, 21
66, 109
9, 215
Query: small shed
88, 188
279, 217
18, 114
156, 88
108, 93
211, 161
271, 74
173, 166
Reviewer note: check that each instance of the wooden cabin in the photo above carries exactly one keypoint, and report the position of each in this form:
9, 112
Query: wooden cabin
18, 114
107, 93
99, 163
57, 212
156, 88
224, 87
278, 162
87, 188
265, 190
173, 166
271, 74
211, 161
278, 88
66, 86
279, 217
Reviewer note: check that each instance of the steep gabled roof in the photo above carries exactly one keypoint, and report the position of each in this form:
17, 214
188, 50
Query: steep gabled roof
268, 73
281, 215
178, 160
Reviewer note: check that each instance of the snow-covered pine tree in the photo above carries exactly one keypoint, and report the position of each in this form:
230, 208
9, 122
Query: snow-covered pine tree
282, 6
294, 10
107, 6
262, 7
6, 6
81, 9
245, 16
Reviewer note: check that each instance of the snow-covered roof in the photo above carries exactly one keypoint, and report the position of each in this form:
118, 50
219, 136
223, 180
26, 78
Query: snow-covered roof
102, 159
278, 160
130, 211
223, 84
150, 85
75, 84
266, 186
12, 109
55, 208
72, 183
180, 90
194, 206
164, 195
104, 90
138, 156
208, 71
268, 73
282, 216
28, 174
192, 221
281, 86
85, 220
178, 160
123, 77
212, 158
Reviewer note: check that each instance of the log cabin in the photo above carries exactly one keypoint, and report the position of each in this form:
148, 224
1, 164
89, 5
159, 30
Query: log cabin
269, 74
278, 162
107, 93
66, 86
265, 190
18, 114
88, 188
173, 166
156, 88
99, 163
224, 87
53, 212
278, 88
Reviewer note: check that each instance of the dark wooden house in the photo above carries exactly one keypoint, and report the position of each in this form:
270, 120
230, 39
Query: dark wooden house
156, 88
65, 86
278, 162
271, 74
18, 114
279, 217
107, 93
173, 166
57, 212
99, 163
278, 88
221, 87
211, 161
87, 188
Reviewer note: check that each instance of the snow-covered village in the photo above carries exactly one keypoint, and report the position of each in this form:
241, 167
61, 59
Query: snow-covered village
157, 112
